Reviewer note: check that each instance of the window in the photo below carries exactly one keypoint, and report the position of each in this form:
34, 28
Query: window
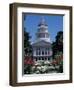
36, 52
41, 35
48, 58
47, 35
42, 52
45, 58
36, 59
39, 53
45, 52
39, 58
42, 58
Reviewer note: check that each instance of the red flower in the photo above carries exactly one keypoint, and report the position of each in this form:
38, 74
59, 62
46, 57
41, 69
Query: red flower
29, 61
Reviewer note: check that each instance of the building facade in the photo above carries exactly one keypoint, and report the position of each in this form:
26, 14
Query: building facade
42, 49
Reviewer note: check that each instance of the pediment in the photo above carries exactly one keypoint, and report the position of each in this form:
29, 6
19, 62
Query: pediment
41, 43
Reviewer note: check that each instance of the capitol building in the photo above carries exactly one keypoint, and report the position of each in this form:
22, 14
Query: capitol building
42, 49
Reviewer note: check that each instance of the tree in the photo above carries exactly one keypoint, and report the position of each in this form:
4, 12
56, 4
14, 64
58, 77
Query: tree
57, 46
28, 61
27, 45
59, 41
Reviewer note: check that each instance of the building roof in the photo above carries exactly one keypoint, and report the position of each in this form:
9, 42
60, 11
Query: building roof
41, 43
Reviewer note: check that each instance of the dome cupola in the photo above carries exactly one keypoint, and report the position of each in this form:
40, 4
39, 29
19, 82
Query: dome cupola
42, 32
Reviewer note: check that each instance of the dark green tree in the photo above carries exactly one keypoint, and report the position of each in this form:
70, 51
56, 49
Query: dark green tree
59, 41
57, 46
27, 44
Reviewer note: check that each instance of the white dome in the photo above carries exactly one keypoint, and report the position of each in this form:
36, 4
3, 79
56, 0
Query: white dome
42, 32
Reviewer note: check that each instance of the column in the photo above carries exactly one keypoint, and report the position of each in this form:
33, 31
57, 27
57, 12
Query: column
41, 52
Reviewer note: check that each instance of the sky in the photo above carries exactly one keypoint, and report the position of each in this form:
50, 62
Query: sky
54, 22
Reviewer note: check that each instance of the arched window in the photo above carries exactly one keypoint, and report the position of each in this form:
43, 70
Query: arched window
42, 58
45, 52
48, 58
42, 52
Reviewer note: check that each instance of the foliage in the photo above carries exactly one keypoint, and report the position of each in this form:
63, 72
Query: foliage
57, 46
27, 52
27, 45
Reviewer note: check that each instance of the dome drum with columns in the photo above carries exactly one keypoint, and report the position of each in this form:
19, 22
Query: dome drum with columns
42, 46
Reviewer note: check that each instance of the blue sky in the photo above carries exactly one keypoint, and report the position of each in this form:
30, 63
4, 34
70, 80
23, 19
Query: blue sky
54, 22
